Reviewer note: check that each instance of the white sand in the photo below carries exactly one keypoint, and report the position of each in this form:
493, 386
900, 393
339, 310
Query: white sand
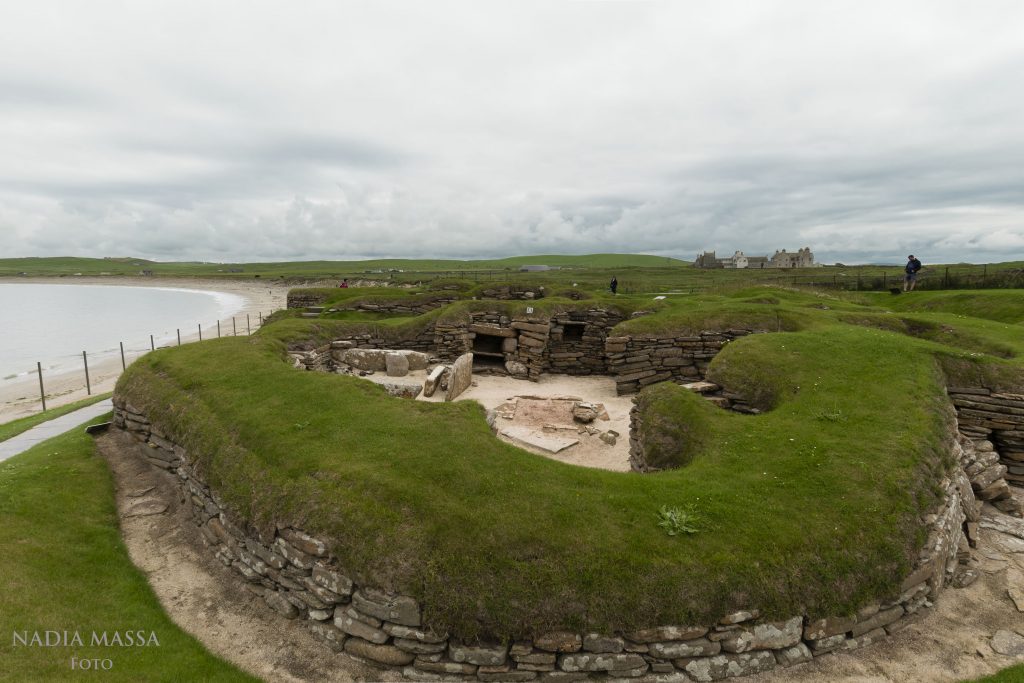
20, 397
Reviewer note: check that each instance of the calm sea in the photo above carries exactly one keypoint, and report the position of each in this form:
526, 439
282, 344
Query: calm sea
53, 324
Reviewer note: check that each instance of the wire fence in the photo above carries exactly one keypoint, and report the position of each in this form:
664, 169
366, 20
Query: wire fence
232, 327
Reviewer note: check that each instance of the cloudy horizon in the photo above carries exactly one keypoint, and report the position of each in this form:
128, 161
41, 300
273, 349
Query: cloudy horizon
261, 131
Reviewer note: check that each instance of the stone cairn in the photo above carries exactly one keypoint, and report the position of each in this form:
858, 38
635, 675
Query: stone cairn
294, 574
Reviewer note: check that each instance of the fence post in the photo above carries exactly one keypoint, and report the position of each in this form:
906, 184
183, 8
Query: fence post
152, 344
248, 330
234, 331
88, 387
885, 277
200, 332
42, 394
178, 330
261, 318
945, 279
123, 366
218, 329
858, 280
984, 276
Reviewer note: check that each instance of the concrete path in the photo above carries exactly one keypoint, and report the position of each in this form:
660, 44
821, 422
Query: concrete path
47, 430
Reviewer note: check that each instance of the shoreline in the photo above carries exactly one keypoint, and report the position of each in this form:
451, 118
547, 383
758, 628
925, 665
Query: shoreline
20, 397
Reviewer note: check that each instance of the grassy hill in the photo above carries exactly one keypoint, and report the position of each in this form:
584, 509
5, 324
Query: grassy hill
70, 265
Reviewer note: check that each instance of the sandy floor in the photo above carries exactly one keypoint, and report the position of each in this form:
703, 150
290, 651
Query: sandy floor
947, 643
534, 410
21, 397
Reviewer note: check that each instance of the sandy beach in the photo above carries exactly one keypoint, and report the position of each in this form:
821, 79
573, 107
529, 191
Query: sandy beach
20, 397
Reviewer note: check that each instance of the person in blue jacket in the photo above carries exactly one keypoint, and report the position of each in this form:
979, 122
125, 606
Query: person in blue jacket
910, 279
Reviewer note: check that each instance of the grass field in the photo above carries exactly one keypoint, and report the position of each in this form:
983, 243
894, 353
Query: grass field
811, 507
65, 569
637, 273
22, 424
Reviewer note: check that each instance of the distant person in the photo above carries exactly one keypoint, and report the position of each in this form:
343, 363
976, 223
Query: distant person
910, 279
344, 284
614, 286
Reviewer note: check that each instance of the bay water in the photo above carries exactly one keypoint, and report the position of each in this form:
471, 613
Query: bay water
54, 323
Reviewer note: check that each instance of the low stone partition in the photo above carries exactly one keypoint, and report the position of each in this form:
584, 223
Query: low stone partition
640, 360
294, 574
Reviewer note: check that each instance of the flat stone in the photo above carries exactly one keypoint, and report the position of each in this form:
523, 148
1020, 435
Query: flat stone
331, 635
279, 603
396, 364
418, 647
398, 609
700, 647
559, 641
770, 636
1008, 643
399, 631
665, 633
355, 627
728, 666
739, 617
365, 359
600, 662
384, 654
332, 580
481, 655
433, 380
295, 556
508, 676
593, 642
445, 667
585, 412
549, 443
881, 618
830, 626
402, 389
303, 541
461, 376
797, 654
1017, 595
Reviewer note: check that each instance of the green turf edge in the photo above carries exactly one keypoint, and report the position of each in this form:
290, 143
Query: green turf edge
65, 568
22, 424
1013, 674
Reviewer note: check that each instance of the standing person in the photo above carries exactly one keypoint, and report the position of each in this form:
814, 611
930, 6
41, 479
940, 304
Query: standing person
614, 284
344, 284
910, 279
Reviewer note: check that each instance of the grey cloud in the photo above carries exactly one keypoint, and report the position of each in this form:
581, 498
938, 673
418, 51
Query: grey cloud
339, 131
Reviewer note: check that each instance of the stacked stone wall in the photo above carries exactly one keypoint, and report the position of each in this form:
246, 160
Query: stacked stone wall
637, 361
569, 355
294, 574
305, 299
995, 421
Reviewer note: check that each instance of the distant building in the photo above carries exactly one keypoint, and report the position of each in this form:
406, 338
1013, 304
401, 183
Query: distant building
534, 269
802, 258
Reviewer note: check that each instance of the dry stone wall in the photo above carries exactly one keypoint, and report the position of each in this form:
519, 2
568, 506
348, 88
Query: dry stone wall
640, 360
294, 574
995, 421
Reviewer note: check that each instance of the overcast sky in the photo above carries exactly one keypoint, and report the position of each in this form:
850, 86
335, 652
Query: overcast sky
298, 130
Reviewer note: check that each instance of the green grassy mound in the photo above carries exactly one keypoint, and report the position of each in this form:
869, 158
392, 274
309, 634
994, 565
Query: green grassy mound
65, 569
812, 507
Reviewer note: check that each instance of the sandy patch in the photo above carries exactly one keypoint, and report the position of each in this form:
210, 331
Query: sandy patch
20, 397
540, 412
202, 596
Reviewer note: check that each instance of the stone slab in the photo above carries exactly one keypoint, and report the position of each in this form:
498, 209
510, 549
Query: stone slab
549, 443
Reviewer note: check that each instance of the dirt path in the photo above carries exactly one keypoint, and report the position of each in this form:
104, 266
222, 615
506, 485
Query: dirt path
204, 597
949, 643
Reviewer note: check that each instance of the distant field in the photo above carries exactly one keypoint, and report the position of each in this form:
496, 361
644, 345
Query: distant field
636, 273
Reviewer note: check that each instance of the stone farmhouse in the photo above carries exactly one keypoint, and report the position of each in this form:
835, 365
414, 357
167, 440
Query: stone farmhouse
802, 258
